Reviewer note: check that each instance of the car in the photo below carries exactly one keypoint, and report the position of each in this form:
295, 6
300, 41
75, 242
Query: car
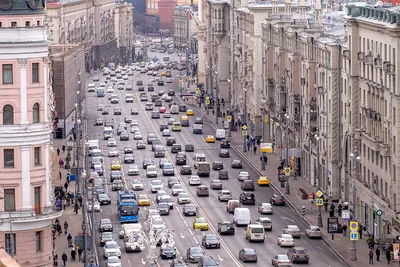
277, 199
162, 162
134, 111
224, 153
210, 139
96, 206
169, 80
162, 110
171, 121
281, 260
143, 200
186, 170
105, 225
207, 261
124, 136
117, 111
151, 171
177, 189
163, 208
224, 195
137, 136
113, 152
247, 197
263, 181
166, 199
141, 89
163, 127
111, 142
139, 82
194, 180
225, 144
226, 228
171, 93
200, 223
313, 232
298, 254
189, 148
178, 263
98, 122
128, 99
210, 241
110, 90
99, 169
223, 175
128, 150
155, 115
105, 112
217, 165
133, 169
176, 148
248, 255
292, 230
285, 240
236, 164
167, 115
166, 132
172, 181
105, 237
182, 108
247, 185
168, 169
104, 199
156, 185
140, 144
117, 185
265, 208
189, 210
129, 158
128, 119
93, 175
202, 191
116, 165
150, 138
183, 198
170, 141
159, 194
243, 176
146, 162
216, 185
160, 83
97, 182
189, 112
111, 248
137, 185
193, 254
198, 120
168, 251
265, 222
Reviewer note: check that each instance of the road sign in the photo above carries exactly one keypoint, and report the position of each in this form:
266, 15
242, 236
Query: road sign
319, 202
310, 196
353, 226
319, 193
229, 118
72, 177
244, 133
345, 214
266, 147
287, 171
379, 213
333, 225
244, 127
353, 235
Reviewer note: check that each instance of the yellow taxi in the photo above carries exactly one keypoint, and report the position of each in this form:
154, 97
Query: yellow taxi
163, 73
115, 165
143, 200
263, 180
176, 127
184, 118
190, 112
200, 223
210, 139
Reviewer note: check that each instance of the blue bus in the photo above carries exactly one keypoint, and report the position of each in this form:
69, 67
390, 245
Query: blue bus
128, 208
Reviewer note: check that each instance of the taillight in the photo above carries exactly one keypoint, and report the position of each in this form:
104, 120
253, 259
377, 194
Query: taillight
279, 262
283, 240
294, 255
308, 255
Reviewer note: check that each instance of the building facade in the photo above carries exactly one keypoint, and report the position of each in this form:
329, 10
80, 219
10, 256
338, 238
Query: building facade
124, 31
165, 13
26, 208
185, 25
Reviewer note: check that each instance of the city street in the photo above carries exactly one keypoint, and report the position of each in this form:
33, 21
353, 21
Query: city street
209, 207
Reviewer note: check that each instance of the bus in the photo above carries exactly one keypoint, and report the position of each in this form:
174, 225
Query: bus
128, 208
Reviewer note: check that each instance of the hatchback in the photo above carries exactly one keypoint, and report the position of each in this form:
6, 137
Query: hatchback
298, 254
248, 185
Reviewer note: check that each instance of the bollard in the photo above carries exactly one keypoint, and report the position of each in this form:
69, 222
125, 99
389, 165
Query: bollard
303, 210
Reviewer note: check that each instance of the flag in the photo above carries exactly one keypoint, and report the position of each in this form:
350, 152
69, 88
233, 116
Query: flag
190, 14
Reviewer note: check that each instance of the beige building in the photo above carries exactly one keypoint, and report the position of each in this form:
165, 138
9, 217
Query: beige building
124, 31
185, 25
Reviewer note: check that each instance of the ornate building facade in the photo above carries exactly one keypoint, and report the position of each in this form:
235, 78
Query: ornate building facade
185, 25
124, 31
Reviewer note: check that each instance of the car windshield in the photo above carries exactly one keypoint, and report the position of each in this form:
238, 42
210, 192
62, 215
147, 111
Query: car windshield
183, 195
106, 235
151, 168
283, 257
249, 252
143, 197
129, 210
105, 221
156, 183
211, 237
200, 220
190, 207
112, 245
113, 260
301, 251
168, 166
163, 205
137, 182
196, 251
165, 199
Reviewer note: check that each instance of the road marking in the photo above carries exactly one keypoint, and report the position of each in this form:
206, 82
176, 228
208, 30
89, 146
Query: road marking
186, 224
143, 262
287, 219
182, 236
195, 240
190, 231
219, 258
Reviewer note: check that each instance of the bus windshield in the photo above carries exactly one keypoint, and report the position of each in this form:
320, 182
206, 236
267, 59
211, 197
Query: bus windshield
128, 198
129, 210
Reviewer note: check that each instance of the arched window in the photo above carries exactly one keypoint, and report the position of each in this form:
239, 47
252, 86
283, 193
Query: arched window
8, 115
35, 113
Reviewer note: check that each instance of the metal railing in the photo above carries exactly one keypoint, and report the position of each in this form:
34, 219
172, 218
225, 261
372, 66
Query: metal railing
30, 213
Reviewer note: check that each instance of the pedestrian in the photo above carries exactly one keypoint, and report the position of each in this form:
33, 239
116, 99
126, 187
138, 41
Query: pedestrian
60, 162
65, 227
378, 253
213, 112
76, 208
69, 239
360, 231
371, 257
326, 205
59, 231
64, 258
388, 258
73, 254
255, 150
66, 185
63, 148
67, 179
64, 203
344, 229
60, 175
248, 145
58, 151
80, 251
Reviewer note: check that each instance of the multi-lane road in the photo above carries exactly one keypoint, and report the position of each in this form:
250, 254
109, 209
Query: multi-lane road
209, 207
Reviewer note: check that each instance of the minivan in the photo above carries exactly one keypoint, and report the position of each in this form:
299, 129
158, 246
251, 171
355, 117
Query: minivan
220, 134
255, 232
232, 205
108, 133
241, 216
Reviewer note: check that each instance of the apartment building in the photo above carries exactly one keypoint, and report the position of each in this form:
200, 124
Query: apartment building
185, 25
124, 31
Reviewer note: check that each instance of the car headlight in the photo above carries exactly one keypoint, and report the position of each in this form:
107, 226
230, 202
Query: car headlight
207, 243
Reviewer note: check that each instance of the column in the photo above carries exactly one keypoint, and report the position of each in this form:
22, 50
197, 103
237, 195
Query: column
23, 91
26, 177
45, 97
47, 159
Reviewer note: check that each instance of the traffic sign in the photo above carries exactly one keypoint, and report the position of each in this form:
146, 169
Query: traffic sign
379, 213
287, 171
266, 119
244, 133
310, 196
353, 226
319, 193
229, 118
353, 236
244, 127
319, 202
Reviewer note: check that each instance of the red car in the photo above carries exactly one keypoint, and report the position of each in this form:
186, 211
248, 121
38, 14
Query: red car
162, 110
237, 164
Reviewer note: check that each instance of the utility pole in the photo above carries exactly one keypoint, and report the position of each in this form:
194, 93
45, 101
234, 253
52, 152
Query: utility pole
216, 101
319, 216
355, 156
287, 186
78, 135
245, 119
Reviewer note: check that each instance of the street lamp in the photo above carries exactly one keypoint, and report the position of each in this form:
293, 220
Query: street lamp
216, 101
3, 196
287, 187
356, 157
319, 217
244, 118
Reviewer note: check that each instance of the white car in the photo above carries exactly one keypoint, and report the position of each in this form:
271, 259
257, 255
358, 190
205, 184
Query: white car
168, 99
112, 142
194, 180
134, 123
151, 171
243, 176
137, 185
164, 96
125, 77
169, 80
171, 121
156, 185
183, 198
111, 248
135, 129
265, 208
167, 115
292, 230
160, 193
133, 169
285, 240
138, 136
113, 153
96, 206
177, 189
110, 90
166, 132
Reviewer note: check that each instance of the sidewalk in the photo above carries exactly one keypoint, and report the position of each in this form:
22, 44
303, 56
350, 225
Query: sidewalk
341, 244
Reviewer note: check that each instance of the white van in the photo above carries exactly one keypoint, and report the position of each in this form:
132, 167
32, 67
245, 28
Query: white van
220, 134
255, 232
241, 216
91, 87
108, 132
174, 109
199, 157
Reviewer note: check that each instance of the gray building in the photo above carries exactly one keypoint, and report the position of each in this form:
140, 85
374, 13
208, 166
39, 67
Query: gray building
185, 26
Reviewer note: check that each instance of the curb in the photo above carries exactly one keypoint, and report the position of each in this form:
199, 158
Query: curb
276, 188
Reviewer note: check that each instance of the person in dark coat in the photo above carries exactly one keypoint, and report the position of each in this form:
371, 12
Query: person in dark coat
63, 148
76, 208
80, 251
371, 257
73, 254
344, 227
360, 230
69, 239
64, 258
58, 151
378, 253
388, 256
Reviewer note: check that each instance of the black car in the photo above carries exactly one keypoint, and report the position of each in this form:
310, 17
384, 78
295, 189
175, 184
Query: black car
171, 93
170, 141
141, 88
160, 83
193, 254
105, 237
247, 185
129, 158
223, 175
104, 199
176, 148
128, 150
150, 89
276, 199
226, 228
236, 164
151, 138
217, 165
124, 136
105, 225
163, 127
189, 210
189, 148
178, 263
182, 108
186, 170
163, 208
146, 162
117, 185
247, 197
140, 145
298, 254
168, 251
172, 181
225, 144
180, 159
139, 82
207, 261
115, 175
117, 111
248, 255
210, 241
224, 153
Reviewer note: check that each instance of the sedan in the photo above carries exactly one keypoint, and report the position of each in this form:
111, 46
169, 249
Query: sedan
128, 150
137, 185
194, 180
224, 153
285, 240
243, 176
143, 200
210, 241
236, 164
140, 144
226, 228
129, 158
104, 199
248, 255
186, 170
217, 165
104, 237
183, 198
224, 195
216, 185
137, 136
133, 169
265, 208
96, 206
134, 111
156, 185
163, 208
166, 133
177, 189
313, 232
167, 115
223, 175
168, 251
111, 142
170, 141
105, 225
117, 111
277, 199
113, 153
117, 185
193, 254
298, 254
200, 223
98, 122
265, 222
281, 260
189, 210
114, 261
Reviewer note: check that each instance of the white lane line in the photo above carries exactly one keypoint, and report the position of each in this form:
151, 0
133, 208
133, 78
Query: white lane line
195, 240
190, 231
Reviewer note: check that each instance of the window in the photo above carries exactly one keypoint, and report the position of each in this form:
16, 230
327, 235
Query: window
9, 200
38, 241
1, 24
8, 158
38, 23
27, 23
35, 113
13, 24
7, 73
8, 115
36, 156
11, 243
35, 72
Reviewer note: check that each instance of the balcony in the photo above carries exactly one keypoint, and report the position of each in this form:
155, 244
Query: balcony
297, 99
371, 142
384, 150
30, 215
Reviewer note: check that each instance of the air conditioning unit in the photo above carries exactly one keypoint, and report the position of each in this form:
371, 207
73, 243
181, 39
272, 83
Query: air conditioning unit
346, 54
360, 56
320, 90
386, 66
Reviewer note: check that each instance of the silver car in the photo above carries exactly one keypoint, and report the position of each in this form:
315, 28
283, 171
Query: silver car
224, 195
183, 198
281, 260
292, 230
177, 189
111, 142
137, 185
133, 169
113, 153
265, 222
265, 208
313, 232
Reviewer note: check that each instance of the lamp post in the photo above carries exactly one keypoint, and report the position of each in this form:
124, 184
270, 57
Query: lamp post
207, 88
216, 101
356, 157
287, 187
319, 216
244, 118
78, 136
11, 243
228, 111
